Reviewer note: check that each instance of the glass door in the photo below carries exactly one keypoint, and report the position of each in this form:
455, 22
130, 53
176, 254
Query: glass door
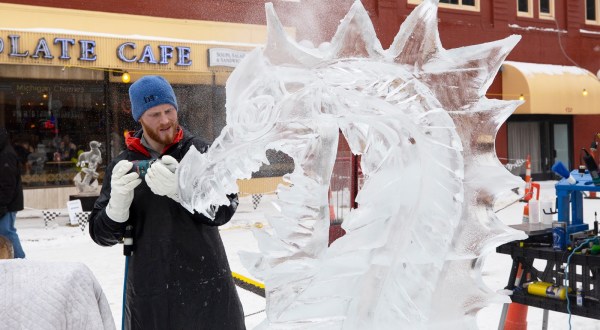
561, 146
546, 139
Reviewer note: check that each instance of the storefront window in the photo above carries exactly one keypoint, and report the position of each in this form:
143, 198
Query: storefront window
52, 119
50, 123
201, 111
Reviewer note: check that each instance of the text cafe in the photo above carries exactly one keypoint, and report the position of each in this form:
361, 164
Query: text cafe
58, 92
126, 52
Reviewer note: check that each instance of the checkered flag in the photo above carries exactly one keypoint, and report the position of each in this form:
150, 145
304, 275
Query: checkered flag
256, 200
49, 217
82, 219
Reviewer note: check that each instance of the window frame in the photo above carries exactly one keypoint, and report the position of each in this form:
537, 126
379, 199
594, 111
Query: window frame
459, 6
551, 15
529, 12
597, 10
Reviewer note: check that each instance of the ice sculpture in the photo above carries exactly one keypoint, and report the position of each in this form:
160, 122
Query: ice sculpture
418, 115
86, 180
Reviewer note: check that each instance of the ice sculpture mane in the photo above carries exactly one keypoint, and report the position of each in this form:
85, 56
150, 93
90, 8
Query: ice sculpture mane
418, 115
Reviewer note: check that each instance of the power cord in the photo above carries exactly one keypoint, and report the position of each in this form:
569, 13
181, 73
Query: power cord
562, 49
587, 241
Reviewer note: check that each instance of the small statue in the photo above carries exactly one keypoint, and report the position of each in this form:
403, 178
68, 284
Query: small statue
88, 161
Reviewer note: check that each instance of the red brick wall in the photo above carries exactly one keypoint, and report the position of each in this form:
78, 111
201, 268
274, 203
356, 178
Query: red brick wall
586, 128
306, 15
540, 43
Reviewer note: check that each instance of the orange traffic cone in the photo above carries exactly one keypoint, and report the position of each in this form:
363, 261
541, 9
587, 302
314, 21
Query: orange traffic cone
335, 228
516, 316
592, 195
527, 195
331, 209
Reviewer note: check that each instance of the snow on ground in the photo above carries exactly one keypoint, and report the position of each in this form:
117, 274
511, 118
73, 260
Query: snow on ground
61, 242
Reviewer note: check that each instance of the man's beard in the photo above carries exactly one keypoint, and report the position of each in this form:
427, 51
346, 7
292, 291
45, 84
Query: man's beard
163, 138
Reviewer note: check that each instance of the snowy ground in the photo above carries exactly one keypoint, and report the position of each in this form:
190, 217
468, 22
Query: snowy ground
65, 243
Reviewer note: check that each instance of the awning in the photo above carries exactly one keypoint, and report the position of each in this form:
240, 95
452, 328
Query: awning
551, 89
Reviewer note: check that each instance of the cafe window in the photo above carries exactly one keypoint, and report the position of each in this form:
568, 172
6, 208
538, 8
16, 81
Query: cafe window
50, 123
470, 5
53, 114
201, 110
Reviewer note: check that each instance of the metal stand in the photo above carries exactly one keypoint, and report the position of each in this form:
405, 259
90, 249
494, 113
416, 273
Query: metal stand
503, 316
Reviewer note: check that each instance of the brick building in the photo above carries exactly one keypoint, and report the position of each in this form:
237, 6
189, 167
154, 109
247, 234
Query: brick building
62, 66
561, 113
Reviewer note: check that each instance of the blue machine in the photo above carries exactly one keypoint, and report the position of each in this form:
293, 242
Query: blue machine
572, 194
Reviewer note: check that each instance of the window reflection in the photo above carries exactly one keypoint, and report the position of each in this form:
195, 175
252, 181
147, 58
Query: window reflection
51, 121
53, 114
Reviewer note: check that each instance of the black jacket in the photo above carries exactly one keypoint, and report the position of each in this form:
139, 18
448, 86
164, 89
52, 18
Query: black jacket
178, 276
11, 188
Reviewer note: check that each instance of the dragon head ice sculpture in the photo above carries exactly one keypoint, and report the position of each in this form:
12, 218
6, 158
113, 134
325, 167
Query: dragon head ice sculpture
417, 114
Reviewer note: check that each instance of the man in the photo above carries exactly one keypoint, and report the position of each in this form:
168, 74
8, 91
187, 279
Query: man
178, 276
11, 192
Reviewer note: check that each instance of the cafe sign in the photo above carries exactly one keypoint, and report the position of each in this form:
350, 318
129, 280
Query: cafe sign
67, 49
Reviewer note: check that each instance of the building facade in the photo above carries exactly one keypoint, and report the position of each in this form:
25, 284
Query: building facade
65, 73
553, 69
63, 63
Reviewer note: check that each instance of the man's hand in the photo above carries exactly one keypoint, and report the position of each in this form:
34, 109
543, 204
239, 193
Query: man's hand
121, 193
161, 177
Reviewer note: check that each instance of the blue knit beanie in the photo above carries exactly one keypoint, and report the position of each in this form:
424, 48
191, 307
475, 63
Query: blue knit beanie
149, 92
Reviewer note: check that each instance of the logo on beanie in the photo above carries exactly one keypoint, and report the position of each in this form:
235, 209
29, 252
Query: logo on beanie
150, 98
